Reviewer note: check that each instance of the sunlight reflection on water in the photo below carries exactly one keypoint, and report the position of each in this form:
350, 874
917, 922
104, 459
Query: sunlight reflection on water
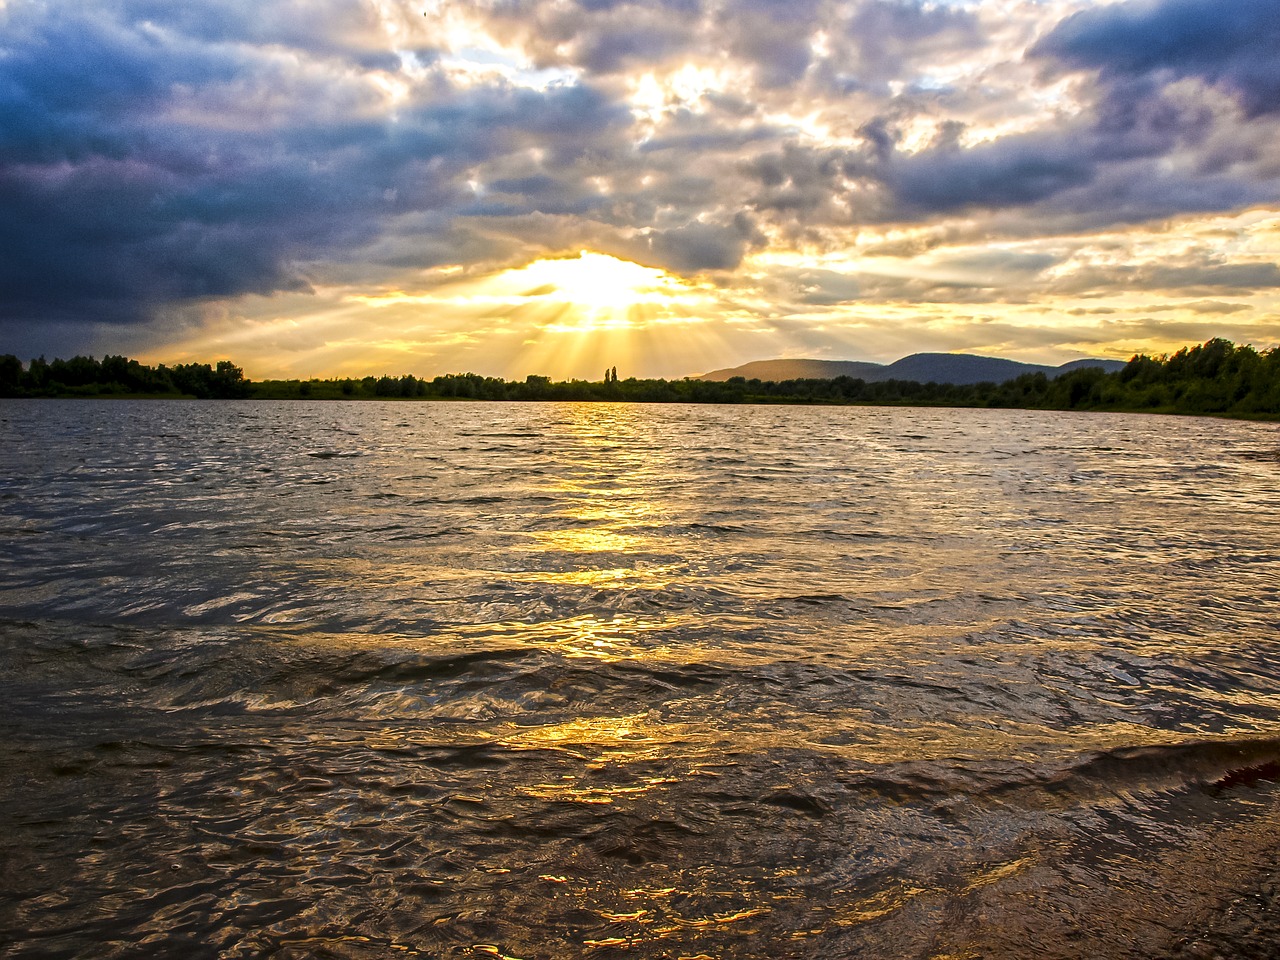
551, 680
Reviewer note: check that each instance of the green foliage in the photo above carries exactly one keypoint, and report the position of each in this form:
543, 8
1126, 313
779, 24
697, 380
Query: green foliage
224, 382
10, 376
119, 376
1216, 377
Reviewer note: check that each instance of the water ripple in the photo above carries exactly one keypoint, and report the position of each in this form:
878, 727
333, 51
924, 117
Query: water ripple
456, 680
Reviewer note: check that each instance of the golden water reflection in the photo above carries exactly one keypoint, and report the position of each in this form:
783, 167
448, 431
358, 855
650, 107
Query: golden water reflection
573, 683
593, 540
639, 577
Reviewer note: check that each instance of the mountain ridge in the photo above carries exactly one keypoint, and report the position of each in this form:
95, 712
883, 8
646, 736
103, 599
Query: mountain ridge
954, 368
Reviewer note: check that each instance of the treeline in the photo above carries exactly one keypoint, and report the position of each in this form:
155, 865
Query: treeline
120, 376
1216, 377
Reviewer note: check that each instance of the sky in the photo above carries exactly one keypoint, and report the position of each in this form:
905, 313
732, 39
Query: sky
513, 187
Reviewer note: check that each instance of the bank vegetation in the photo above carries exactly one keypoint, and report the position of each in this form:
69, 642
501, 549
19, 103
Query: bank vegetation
1216, 377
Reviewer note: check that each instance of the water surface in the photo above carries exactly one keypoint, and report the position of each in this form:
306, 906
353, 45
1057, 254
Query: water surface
559, 680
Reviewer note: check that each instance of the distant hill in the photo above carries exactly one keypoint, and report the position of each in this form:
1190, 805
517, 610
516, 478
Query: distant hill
961, 368
957, 368
1110, 366
799, 370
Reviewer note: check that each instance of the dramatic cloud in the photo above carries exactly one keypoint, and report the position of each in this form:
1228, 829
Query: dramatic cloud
141, 167
1233, 44
315, 184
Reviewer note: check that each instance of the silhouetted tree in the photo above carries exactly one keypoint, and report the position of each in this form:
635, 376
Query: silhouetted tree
10, 376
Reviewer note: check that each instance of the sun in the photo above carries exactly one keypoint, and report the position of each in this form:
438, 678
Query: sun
601, 291
564, 317
588, 292
594, 312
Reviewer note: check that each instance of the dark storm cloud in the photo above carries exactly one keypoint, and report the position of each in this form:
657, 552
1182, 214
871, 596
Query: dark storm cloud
349, 31
802, 182
871, 41
1155, 155
889, 36
1154, 150
878, 184
600, 37
1231, 43
696, 247
1016, 171
68, 84
140, 166
1140, 151
1057, 183
775, 36
1149, 190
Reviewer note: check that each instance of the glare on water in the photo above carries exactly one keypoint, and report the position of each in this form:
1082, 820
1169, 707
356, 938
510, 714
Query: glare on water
352, 679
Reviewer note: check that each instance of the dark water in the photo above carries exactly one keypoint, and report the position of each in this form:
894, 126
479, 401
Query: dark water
543, 681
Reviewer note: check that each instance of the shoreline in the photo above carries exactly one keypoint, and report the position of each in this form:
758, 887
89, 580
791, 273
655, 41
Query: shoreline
745, 402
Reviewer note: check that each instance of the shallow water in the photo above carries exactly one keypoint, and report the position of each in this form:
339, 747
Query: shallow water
561, 680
